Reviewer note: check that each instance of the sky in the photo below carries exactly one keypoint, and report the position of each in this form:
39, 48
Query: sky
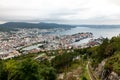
61, 11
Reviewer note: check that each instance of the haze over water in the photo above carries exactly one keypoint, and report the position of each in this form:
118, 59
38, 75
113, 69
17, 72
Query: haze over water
97, 32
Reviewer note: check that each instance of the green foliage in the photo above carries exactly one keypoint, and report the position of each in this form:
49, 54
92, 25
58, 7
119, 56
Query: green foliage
101, 50
1, 69
11, 69
27, 69
63, 60
47, 73
24, 56
113, 63
84, 78
109, 49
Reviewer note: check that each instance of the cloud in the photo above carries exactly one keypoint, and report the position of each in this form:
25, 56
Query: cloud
61, 11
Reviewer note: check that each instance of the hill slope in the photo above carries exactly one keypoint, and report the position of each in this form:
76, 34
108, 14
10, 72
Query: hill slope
13, 25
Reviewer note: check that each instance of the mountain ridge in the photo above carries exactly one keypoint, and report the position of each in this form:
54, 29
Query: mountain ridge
11, 26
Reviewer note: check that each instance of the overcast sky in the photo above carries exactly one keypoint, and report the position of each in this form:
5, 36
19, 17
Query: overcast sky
61, 11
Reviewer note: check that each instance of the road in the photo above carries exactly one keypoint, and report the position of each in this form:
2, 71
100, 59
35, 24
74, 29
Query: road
92, 76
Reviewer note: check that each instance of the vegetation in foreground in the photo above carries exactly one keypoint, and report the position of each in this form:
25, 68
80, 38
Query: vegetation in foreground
110, 50
26, 67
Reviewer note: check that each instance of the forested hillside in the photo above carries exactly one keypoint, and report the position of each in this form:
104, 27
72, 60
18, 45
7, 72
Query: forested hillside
56, 62
109, 51
11, 26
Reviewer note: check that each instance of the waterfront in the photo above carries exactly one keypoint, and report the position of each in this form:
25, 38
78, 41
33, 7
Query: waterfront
27, 40
97, 32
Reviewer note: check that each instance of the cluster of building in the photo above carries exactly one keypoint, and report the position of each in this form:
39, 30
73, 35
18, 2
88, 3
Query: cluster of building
24, 41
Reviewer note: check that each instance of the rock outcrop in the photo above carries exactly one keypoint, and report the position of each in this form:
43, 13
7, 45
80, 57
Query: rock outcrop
105, 74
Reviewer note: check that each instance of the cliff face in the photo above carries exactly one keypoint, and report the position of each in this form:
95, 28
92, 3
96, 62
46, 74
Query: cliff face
99, 69
113, 76
105, 74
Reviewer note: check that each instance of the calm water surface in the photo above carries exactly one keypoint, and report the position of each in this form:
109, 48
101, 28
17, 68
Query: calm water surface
97, 32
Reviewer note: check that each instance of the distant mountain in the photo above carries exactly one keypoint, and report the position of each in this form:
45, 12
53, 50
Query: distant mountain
13, 25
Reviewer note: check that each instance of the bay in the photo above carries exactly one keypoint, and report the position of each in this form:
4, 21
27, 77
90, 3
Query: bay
108, 32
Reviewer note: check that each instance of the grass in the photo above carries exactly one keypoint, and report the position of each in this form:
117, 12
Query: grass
79, 63
113, 63
85, 75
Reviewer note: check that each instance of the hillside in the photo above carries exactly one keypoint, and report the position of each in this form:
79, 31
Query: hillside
10, 26
101, 62
105, 59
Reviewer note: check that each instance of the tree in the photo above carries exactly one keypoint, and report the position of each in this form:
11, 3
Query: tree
10, 70
1, 69
84, 78
28, 70
47, 73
